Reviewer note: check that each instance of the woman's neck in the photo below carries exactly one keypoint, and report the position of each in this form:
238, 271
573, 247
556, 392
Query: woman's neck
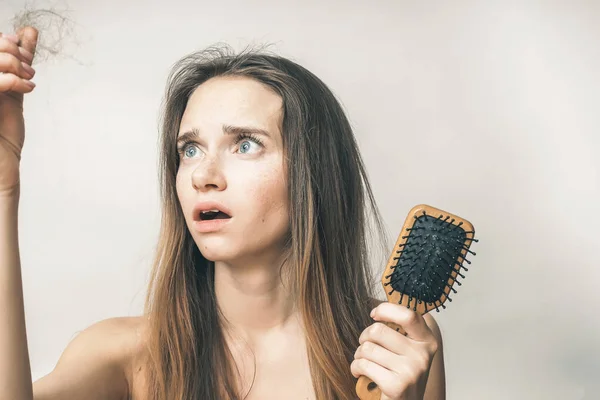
254, 298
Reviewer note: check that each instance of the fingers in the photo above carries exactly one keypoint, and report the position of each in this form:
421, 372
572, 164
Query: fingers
379, 337
385, 336
10, 63
390, 383
379, 355
15, 69
398, 364
12, 83
8, 44
10, 36
412, 322
28, 37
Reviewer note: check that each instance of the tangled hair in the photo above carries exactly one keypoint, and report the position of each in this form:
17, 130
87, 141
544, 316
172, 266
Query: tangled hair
329, 251
57, 31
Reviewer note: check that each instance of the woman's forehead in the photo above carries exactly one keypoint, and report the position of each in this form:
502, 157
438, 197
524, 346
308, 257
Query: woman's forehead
233, 101
236, 95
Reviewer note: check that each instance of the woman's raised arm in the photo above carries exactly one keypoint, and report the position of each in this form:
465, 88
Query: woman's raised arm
93, 366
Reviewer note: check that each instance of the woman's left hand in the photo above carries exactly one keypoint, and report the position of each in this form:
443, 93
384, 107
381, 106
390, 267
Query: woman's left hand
398, 364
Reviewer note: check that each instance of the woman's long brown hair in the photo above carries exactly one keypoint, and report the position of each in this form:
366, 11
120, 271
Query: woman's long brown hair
331, 207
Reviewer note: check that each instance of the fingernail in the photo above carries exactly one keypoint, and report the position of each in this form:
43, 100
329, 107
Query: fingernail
372, 313
26, 53
30, 84
28, 69
11, 37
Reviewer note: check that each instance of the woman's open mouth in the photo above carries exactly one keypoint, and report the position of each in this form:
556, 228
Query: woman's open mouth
209, 215
211, 220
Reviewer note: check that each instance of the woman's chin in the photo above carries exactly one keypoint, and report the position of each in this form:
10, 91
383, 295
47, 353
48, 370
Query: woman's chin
217, 255
230, 250
217, 249
214, 248
229, 254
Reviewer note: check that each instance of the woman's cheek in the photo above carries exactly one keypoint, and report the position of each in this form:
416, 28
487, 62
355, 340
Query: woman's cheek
270, 197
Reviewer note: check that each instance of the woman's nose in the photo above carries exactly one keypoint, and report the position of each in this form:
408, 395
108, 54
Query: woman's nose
209, 176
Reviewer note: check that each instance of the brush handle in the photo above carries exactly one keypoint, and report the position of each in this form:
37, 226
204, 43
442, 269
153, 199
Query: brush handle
366, 389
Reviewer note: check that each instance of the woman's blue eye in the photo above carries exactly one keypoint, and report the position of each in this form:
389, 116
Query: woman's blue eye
245, 146
245, 142
186, 151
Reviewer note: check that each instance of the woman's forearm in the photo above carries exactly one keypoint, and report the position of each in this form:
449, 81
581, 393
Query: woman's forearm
15, 371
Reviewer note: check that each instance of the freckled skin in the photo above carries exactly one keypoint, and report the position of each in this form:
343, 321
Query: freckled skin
252, 184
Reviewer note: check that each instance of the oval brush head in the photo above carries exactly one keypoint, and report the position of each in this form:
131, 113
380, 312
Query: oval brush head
424, 266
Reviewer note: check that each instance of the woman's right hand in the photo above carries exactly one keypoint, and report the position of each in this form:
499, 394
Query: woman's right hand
16, 56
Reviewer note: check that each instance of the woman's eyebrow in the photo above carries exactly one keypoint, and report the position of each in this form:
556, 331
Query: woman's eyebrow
194, 133
188, 135
236, 130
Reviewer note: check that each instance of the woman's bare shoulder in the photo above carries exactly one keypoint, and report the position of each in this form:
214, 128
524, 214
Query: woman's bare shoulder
98, 363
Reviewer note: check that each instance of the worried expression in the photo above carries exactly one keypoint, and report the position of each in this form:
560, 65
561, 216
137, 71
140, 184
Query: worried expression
231, 179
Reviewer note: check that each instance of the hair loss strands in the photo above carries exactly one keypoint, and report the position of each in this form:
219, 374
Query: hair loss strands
56, 31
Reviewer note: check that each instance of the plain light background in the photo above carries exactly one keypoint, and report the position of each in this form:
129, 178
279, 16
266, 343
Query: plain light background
487, 109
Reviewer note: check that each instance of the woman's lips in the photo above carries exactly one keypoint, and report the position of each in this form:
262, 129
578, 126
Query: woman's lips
210, 225
208, 206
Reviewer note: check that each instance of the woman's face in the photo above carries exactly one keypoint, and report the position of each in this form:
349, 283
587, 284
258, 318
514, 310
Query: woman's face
233, 162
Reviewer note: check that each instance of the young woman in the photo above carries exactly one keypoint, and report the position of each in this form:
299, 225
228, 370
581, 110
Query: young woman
260, 284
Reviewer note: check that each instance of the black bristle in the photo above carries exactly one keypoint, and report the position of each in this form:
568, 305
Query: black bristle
431, 252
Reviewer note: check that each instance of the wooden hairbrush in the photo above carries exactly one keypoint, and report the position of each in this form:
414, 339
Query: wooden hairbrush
424, 265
